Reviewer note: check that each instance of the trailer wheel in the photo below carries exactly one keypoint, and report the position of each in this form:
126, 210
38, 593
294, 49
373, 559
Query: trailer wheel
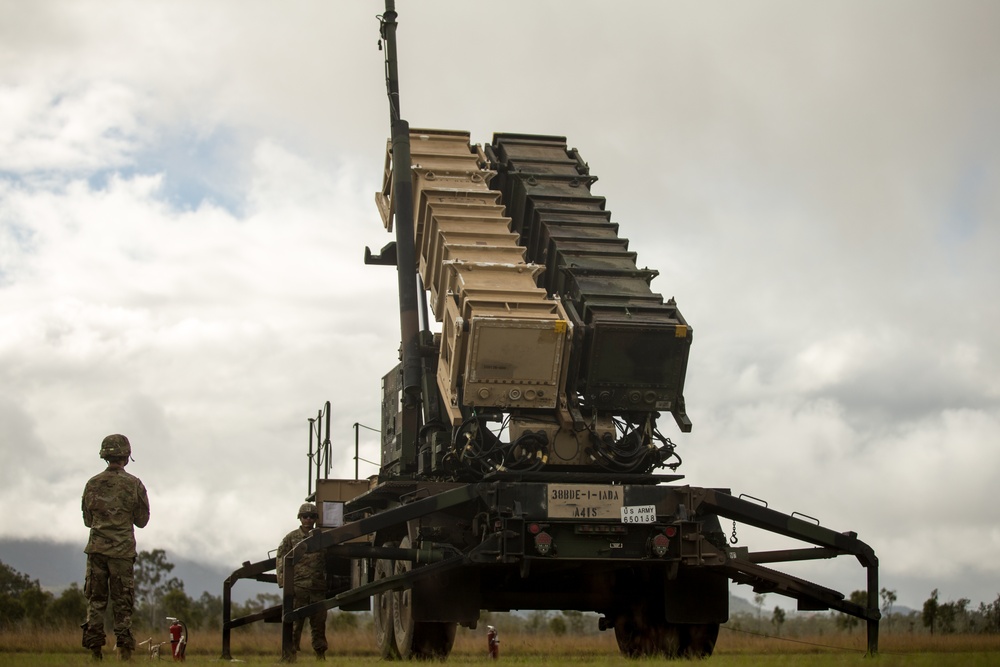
640, 637
698, 639
418, 639
382, 610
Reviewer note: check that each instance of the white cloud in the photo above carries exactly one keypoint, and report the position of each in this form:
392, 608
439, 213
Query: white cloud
52, 126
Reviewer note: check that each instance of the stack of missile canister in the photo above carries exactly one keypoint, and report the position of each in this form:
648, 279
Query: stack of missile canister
538, 296
504, 342
632, 348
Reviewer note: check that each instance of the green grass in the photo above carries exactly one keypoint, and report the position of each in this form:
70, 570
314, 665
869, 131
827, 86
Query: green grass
262, 646
972, 659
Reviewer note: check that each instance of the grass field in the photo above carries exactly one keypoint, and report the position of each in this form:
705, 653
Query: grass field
41, 649
917, 660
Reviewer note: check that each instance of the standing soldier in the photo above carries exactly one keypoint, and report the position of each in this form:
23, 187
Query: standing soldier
310, 583
113, 502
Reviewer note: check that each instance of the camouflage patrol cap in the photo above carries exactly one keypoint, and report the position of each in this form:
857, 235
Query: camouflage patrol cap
307, 508
115, 445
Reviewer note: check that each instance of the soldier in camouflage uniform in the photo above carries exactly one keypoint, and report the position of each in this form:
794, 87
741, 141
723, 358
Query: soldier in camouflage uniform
310, 583
113, 502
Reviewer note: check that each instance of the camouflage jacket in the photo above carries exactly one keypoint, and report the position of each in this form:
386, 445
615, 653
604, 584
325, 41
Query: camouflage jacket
113, 502
310, 571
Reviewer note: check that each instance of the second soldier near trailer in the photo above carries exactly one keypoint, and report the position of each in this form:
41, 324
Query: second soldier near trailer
310, 582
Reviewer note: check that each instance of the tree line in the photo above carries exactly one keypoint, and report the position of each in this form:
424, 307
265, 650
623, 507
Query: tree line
25, 604
936, 617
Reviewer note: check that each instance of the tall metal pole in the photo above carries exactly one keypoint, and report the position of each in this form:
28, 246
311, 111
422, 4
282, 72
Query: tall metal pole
327, 446
319, 444
406, 265
309, 460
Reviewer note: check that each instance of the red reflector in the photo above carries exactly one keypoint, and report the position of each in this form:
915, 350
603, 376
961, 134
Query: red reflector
543, 538
661, 540
533, 528
670, 531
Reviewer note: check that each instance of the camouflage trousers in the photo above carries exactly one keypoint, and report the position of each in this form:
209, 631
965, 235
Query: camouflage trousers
109, 579
317, 621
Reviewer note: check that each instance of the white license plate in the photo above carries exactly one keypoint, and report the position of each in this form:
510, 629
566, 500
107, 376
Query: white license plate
639, 514
584, 501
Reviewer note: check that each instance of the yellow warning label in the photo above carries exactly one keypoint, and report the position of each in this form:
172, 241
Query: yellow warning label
681, 331
560, 326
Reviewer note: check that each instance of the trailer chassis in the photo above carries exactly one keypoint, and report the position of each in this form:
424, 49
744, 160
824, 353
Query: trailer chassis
508, 504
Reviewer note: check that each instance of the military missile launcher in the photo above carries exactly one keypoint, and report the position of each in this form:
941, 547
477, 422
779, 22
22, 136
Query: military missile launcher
523, 464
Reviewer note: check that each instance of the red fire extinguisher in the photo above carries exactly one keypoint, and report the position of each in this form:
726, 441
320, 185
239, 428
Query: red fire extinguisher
178, 638
493, 642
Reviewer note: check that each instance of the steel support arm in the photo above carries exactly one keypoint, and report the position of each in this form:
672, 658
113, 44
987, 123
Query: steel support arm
331, 537
729, 506
712, 501
789, 555
256, 571
395, 581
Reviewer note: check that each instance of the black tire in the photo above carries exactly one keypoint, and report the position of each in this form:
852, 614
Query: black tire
420, 640
641, 637
698, 639
382, 611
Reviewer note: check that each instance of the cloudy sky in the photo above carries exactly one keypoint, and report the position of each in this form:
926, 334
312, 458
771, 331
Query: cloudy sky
186, 191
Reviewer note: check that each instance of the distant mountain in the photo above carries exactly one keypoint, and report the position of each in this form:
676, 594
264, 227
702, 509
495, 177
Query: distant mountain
738, 605
56, 565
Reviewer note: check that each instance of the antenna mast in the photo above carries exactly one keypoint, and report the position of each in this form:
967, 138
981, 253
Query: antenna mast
406, 265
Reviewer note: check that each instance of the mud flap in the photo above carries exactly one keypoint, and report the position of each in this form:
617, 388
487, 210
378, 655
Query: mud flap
450, 597
697, 596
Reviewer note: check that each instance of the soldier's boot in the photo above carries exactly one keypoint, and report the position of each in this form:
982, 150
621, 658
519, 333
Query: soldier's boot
95, 654
321, 655
124, 653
